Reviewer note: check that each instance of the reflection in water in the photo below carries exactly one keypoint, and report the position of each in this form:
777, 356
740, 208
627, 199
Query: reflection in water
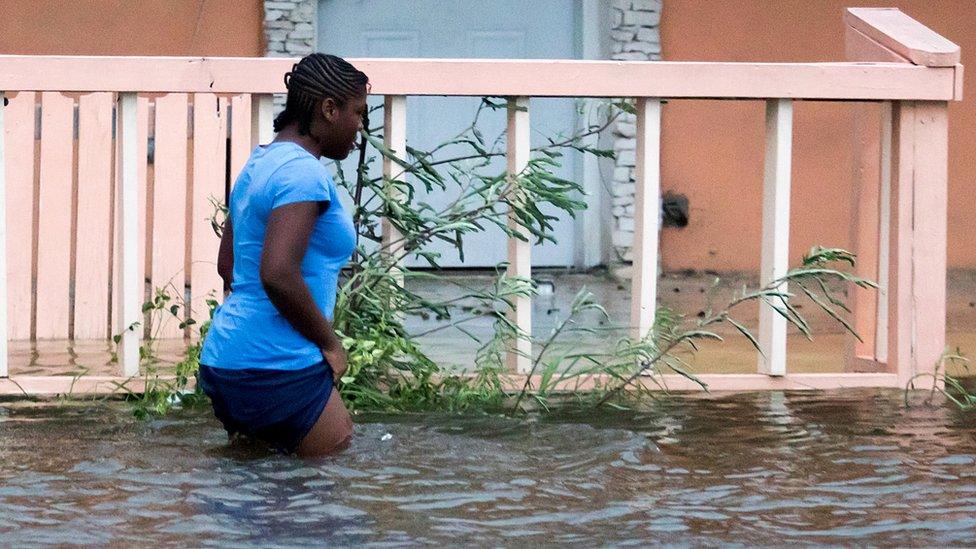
766, 468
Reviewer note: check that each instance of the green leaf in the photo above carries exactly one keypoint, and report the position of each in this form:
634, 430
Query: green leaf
744, 331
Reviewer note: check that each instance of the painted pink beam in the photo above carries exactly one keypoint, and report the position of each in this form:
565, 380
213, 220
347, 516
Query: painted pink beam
468, 77
904, 36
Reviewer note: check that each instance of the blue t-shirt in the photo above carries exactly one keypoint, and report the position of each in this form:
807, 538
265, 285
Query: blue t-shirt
247, 330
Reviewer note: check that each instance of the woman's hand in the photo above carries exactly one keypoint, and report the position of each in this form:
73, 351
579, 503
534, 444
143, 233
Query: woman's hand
337, 359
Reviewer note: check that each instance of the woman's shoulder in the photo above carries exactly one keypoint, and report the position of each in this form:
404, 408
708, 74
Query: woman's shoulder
297, 176
295, 161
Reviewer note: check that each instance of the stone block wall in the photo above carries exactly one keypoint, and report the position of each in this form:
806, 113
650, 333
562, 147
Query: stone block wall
290, 27
635, 36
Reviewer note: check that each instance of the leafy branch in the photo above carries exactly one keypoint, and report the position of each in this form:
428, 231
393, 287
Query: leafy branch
814, 269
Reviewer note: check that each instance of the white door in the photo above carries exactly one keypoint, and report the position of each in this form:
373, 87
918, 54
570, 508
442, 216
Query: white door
517, 29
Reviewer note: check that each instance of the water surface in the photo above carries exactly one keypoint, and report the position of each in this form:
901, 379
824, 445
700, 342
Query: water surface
767, 469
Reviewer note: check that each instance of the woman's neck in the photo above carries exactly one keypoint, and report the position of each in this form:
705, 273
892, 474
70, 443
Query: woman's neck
291, 134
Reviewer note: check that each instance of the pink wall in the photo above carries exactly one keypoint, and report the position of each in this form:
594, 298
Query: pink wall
712, 151
132, 27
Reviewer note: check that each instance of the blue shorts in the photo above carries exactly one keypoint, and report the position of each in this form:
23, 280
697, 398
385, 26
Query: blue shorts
279, 407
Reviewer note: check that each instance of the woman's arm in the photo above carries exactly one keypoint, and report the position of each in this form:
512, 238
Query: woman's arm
285, 241
225, 256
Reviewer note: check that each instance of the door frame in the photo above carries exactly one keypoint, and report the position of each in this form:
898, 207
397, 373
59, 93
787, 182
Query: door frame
592, 241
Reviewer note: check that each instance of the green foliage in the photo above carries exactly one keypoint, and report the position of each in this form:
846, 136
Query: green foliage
162, 392
945, 384
673, 334
388, 369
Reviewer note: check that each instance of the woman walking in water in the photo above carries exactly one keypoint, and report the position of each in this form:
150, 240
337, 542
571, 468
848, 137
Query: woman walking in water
271, 358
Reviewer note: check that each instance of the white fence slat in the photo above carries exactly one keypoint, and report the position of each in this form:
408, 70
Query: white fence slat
646, 216
884, 237
775, 231
519, 358
262, 119
129, 288
395, 139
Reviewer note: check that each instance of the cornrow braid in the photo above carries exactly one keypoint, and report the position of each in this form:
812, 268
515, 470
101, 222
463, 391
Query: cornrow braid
314, 78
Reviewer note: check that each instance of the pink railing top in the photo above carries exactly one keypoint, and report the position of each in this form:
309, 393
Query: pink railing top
464, 77
904, 36
917, 63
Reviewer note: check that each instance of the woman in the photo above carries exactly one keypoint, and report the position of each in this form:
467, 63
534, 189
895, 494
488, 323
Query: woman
271, 358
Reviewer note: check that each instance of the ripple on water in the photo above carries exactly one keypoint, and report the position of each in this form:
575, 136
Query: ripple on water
962, 459
760, 469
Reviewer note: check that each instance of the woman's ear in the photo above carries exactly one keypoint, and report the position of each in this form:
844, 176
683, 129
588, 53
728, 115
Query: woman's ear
329, 109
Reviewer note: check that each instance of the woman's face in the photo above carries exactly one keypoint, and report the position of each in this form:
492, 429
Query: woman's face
339, 126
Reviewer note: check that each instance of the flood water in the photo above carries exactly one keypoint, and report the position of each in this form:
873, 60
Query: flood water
756, 469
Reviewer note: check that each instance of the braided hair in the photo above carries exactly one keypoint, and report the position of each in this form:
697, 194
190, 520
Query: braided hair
314, 78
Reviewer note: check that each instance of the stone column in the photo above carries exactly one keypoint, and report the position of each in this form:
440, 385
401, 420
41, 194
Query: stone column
289, 31
635, 36
289, 27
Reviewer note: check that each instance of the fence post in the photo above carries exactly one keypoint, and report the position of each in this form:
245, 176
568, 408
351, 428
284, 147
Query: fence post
262, 119
647, 192
917, 279
395, 139
519, 358
909, 323
128, 288
884, 236
775, 232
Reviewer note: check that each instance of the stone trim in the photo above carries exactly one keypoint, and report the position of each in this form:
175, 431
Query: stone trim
634, 36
